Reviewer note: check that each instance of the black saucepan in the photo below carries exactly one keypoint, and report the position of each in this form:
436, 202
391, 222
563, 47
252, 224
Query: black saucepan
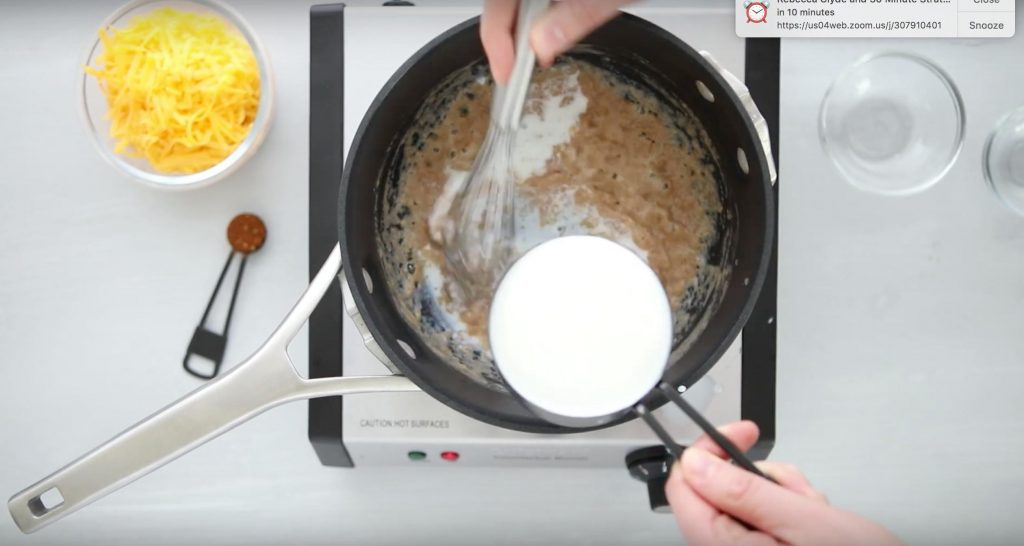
643, 53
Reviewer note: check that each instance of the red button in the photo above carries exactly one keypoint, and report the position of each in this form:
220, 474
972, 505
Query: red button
450, 455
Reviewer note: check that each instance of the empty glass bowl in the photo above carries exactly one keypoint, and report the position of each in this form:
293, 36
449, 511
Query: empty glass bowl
94, 103
1004, 160
892, 123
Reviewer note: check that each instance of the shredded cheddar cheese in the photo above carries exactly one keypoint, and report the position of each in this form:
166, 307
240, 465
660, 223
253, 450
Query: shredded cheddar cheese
182, 89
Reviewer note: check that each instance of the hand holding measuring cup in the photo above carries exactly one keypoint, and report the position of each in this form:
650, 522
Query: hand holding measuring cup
581, 330
709, 497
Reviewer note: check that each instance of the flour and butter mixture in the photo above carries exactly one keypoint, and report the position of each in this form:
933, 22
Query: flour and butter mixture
595, 154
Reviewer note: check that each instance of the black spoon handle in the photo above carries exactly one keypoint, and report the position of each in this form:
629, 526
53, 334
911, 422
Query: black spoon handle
730, 448
205, 342
677, 451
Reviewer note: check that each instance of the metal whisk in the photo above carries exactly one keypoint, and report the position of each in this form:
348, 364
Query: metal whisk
479, 239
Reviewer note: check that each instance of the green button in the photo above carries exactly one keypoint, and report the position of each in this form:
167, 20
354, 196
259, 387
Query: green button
417, 455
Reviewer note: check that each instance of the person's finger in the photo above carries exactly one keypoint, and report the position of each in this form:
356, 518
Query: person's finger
701, 523
694, 515
791, 478
496, 27
766, 506
743, 433
568, 22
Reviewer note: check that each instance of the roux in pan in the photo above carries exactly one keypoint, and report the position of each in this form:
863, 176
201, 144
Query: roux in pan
595, 154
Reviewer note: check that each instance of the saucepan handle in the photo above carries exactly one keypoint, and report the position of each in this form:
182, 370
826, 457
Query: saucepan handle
752, 110
263, 381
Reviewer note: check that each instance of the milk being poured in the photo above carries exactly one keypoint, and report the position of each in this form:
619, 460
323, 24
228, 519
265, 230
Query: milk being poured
551, 114
594, 155
548, 120
581, 327
550, 117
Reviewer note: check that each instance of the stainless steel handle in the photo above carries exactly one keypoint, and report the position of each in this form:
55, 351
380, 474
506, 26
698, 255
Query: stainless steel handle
364, 332
264, 380
509, 99
760, 125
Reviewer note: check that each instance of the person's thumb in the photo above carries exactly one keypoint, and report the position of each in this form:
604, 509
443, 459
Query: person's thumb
779, 512
568, 22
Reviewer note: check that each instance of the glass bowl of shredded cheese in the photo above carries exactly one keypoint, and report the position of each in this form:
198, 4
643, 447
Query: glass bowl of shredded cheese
176, 94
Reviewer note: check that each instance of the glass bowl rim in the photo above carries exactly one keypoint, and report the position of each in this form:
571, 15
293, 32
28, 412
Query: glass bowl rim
986, 157
958, 107
236, 158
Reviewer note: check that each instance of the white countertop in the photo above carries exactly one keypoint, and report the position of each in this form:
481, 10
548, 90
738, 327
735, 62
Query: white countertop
95, 314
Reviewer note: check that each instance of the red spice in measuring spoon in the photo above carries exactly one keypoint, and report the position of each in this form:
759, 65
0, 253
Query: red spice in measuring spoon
247, 233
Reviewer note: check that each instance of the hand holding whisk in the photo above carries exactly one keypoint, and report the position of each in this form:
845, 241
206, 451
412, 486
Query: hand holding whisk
479, 237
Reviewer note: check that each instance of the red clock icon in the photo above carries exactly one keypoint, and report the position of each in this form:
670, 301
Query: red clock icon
757, 12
